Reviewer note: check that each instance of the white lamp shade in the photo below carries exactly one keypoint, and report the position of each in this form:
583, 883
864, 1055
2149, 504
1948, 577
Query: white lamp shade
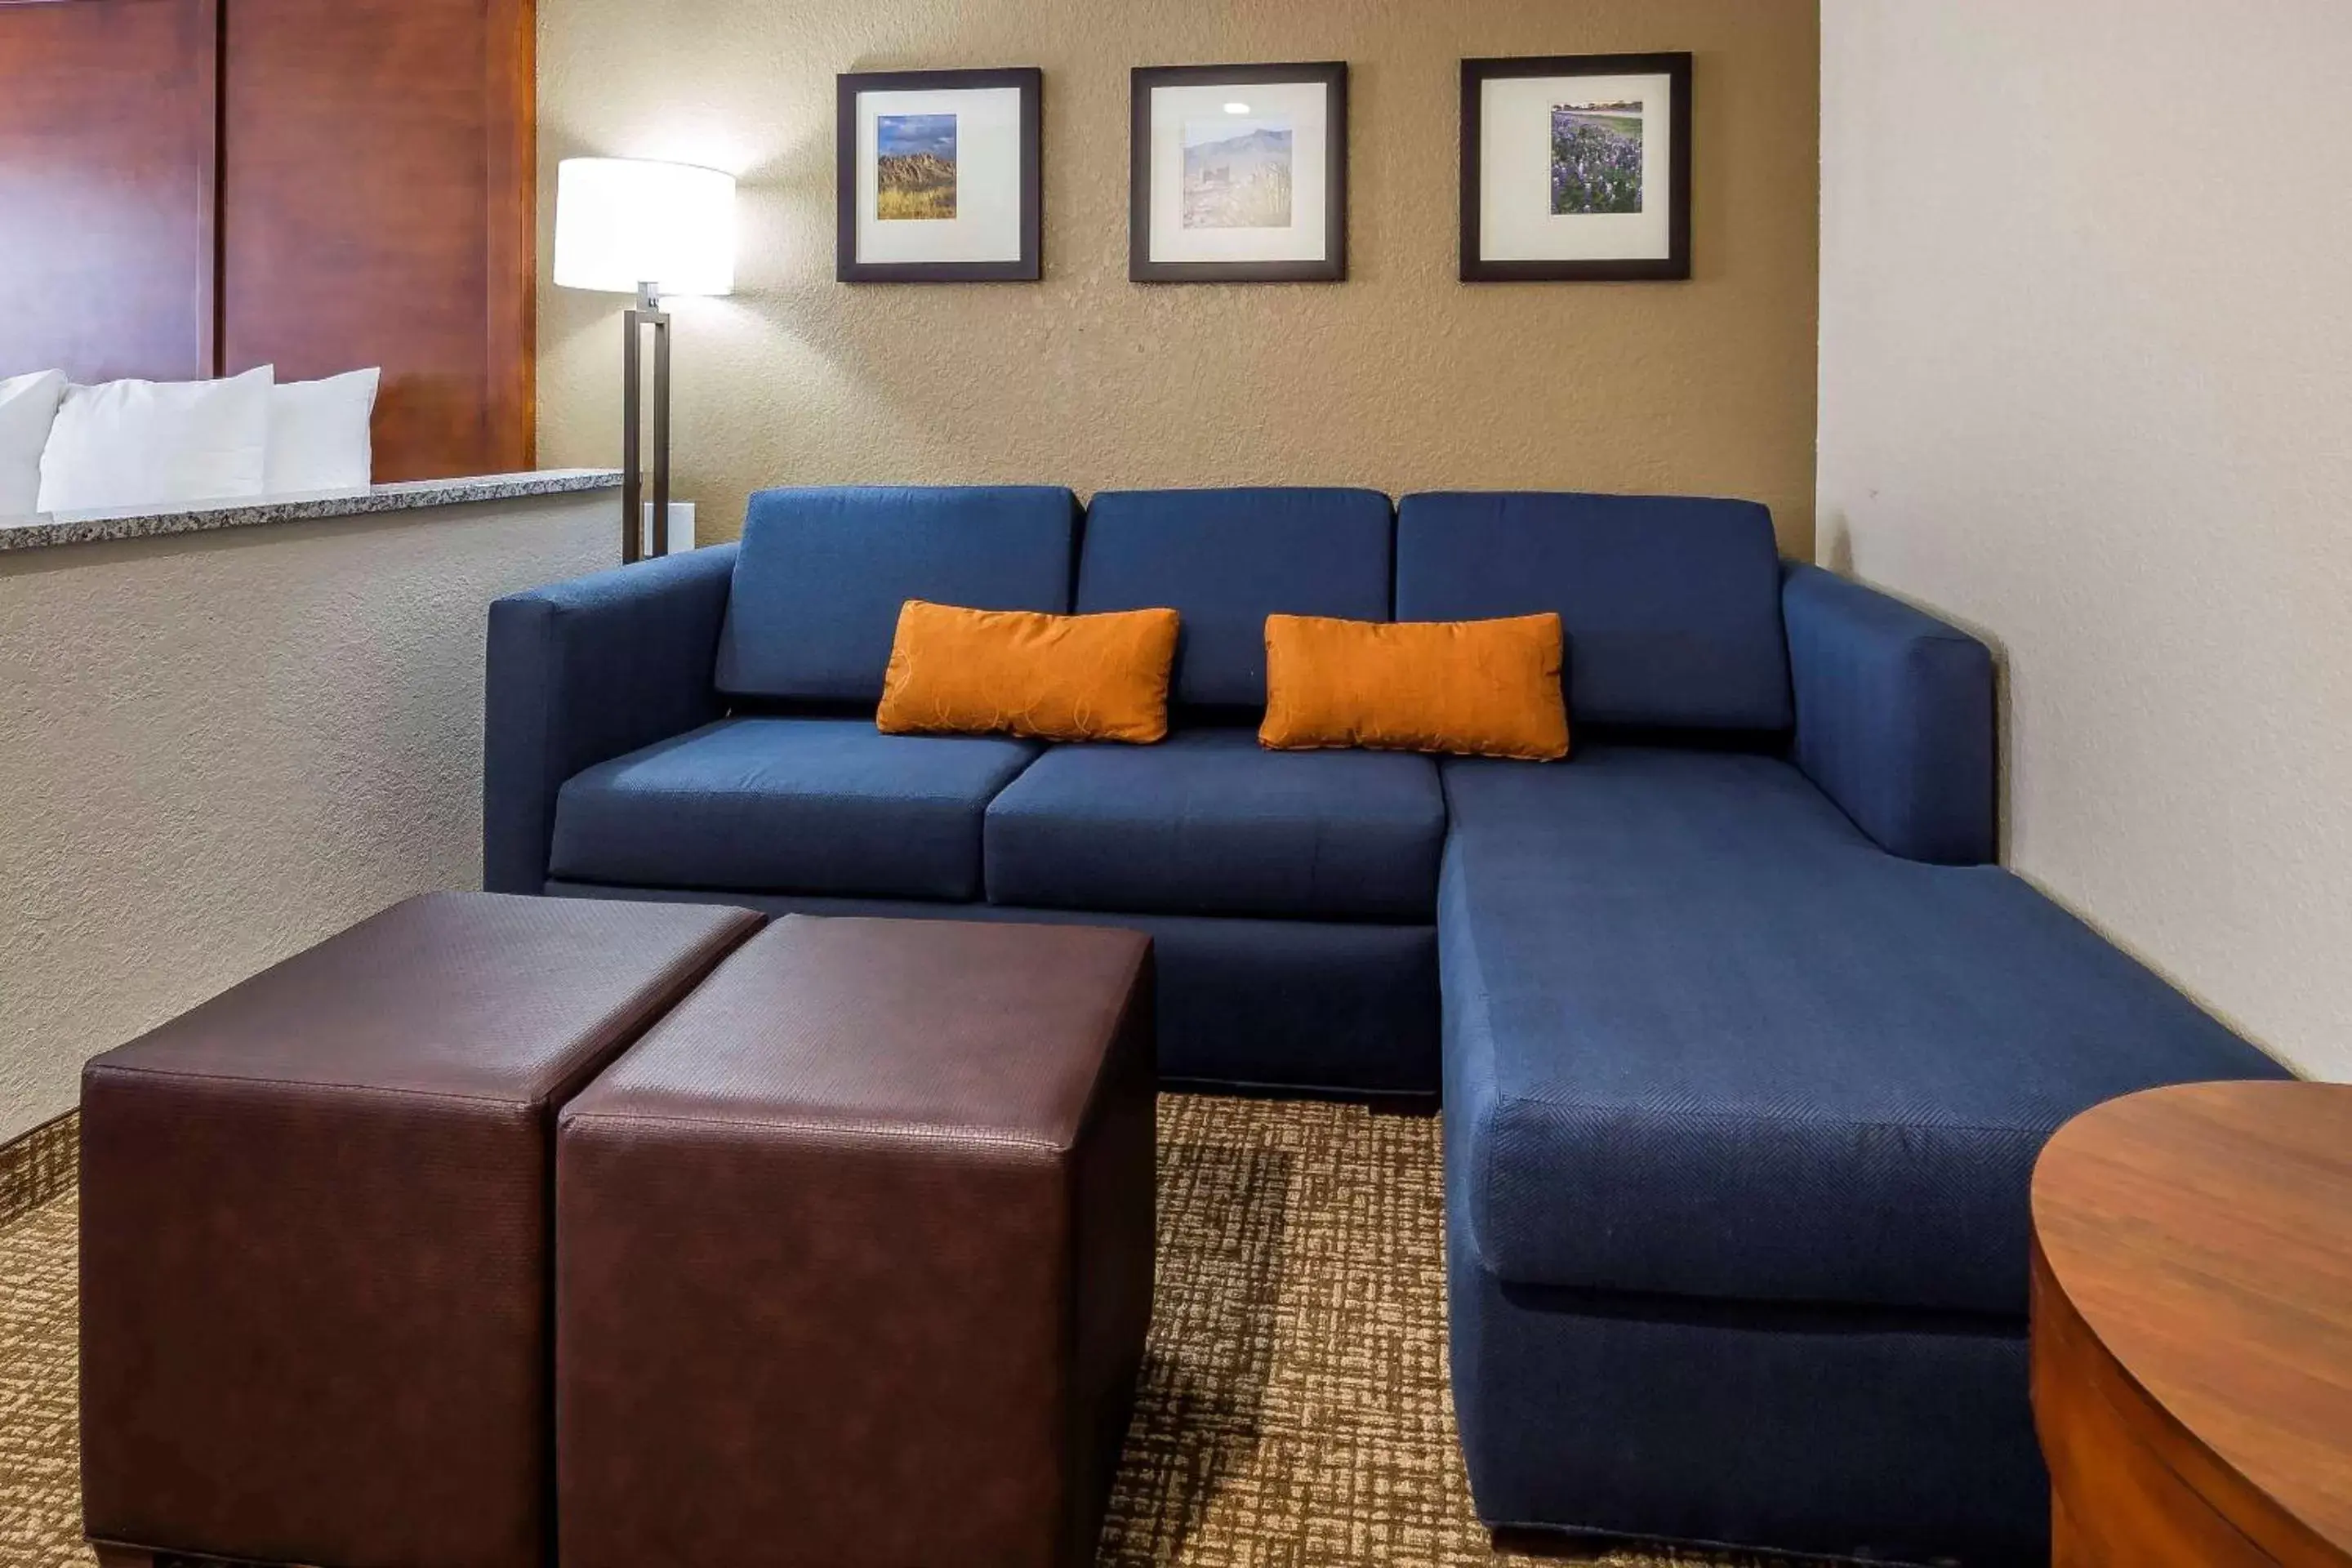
620, 222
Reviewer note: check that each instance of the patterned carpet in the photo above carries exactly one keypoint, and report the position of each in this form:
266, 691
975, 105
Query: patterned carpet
1295, 1411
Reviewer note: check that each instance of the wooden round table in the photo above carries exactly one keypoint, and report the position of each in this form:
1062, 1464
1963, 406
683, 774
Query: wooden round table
2193, 1327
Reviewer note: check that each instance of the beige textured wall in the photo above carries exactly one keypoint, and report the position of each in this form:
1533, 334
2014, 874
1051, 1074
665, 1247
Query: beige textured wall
218, 749
1399, 378
2086, 370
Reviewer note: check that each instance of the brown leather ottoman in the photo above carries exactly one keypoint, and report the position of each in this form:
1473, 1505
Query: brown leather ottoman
315, 1235
853, 1253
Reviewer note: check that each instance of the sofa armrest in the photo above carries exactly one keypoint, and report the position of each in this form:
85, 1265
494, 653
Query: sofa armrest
583, 671
1894, 716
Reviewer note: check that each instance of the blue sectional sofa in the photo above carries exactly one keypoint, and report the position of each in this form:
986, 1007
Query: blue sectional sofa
1746, 1047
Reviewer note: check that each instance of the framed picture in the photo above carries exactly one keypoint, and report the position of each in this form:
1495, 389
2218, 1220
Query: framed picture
1576, 167
938, 176
1238, 174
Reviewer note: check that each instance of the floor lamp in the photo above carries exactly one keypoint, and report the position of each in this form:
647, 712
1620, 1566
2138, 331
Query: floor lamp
629, 226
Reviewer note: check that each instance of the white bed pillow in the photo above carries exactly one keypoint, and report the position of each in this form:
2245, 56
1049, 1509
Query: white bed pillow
156, 444
318, 434
28, 406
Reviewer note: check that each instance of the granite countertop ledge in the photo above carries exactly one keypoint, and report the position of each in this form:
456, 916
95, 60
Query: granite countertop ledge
48, 529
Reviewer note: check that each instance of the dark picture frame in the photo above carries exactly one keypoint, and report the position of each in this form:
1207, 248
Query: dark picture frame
1331, 267
1026, 267
1675, 266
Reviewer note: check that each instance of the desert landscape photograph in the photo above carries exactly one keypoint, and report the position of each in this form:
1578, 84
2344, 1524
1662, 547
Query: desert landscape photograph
915, 166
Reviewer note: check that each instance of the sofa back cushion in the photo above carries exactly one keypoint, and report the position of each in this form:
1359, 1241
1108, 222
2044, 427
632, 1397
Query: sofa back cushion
824, 573
1671, 603
1226, 559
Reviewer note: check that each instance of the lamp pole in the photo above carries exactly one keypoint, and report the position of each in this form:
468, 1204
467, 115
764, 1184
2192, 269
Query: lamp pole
647, 312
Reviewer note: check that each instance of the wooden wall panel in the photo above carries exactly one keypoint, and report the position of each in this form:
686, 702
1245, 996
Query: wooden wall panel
106, 188
377, 209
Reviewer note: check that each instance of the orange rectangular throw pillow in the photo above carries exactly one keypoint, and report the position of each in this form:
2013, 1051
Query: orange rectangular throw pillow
1486, 689
1021, 672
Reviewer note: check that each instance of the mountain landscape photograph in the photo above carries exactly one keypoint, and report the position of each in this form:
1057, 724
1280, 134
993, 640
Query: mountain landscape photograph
1237, 173
914, 166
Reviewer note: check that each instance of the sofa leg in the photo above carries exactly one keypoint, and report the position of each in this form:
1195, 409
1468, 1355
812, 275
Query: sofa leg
1553, 1545
111, 1555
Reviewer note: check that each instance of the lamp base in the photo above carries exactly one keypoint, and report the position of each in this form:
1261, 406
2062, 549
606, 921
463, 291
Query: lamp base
681, 529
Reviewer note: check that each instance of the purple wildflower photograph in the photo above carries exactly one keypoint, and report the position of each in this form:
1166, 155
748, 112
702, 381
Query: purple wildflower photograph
1596, 157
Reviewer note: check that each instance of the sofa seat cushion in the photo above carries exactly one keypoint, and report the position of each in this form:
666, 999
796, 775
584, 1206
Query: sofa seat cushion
1209, 823
1711, 1042
800, 805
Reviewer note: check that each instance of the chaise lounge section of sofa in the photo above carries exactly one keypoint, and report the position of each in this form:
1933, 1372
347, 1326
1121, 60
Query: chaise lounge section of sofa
1746, 1045
1749, 1055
